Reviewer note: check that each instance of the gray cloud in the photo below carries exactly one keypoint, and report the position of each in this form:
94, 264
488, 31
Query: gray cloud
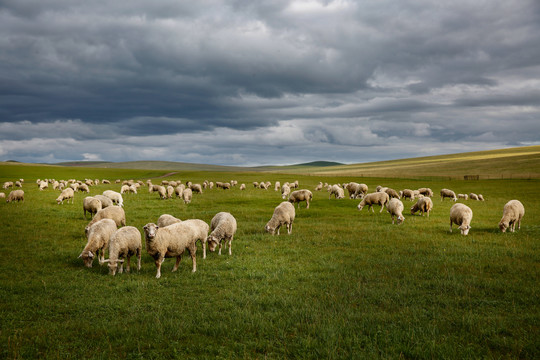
242, 82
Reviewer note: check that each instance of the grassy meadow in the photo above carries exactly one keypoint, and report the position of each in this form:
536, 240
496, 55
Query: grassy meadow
345, 284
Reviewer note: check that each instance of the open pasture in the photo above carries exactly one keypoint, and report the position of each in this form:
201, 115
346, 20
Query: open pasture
345, 284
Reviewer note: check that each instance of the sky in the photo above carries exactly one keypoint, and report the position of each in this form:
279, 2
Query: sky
244, 83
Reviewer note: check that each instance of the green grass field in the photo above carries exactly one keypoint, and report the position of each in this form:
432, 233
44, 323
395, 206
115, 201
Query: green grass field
345, 284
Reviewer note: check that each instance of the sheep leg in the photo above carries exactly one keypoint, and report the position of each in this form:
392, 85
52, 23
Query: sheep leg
121, 268
382, 207
371, 208
307, 207
193, 253
230, 245
138, 259
278, 229
289, 228
178, 258
220, 242
158, 262
128, 267
519, 223
450, 225
204, 249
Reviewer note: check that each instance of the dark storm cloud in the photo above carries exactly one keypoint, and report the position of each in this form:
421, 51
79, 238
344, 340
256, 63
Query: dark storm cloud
326, 79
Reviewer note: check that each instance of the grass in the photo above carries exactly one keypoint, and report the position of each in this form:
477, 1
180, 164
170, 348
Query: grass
345, 284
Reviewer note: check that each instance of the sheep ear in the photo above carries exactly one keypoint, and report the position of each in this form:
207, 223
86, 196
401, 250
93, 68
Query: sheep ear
145, 227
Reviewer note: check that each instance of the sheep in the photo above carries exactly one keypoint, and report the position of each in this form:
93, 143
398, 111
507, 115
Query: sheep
105, 181
159, 189
242, 186
473, 196
124, 243
187, 194
461, 214
426, 192
18, 183
424, 205
395, 208
98, 235
447, 193
277, 186
115, 197
392, 193
8, 184
223, 227
43, 185
380, 188
196, 188
166, 220
91, 205
133, 188
380, 198
319, 186
226, 186
170, 191
15, 195
285, 191
66, 194
173, 240
179, 190
105, 201
83, 188
284, 214
74, 186
337, 191
480, 197
301, 195
2, 195
513, 212
407, 193
463, 196
356, 190
263, 185
255, 184
115, 213
124, 189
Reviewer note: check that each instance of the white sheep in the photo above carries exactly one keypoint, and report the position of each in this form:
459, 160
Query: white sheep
513, 212
395, 208
83, 188
2, 195
91, 205
187, 195
105, 201
407, 193
15, 195
284, 214
172, 241
43, 185
356, 190
298, 196
392, 193
124, 189
8, 184
124, 243
319, 186
463, 196
115, 197
447, 193
380, 198
196, 188
66, 194
337, 191
473, 196
480, 197
277, 186
423, 204
461, 214
114, 213
159, 189
242, 186
170, 191
285, 191
166, 220
223, 227
133, 188
426, 192
98, 236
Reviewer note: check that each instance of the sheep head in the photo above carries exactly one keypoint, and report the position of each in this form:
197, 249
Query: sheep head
212, 242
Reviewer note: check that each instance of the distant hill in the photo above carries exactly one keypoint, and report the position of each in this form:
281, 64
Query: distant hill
319, 164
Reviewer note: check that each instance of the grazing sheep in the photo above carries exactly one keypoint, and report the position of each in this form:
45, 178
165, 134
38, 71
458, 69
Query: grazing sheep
426, 192
407, 194
196, 188
115, 197
242, 186
15, 195
187, 194
172, 241
170, 191
133, 188
124, 243
124, 189
43, 185
8, 184
356, 190
380, 188
159, 189
393, 194
66, 194
473, 196
105, 181
461, 214
285, 191
226, 186
115, 213
91, 205
166, 220
277, 186
480, 197
263, 186
223, 227
337, 191
18, 183
463, 196
98, 235
513, 212
83, 188
424, 205
2, 195
284, 214
301, 195
319, 186
255, 184
179, 190
395, 208
447, 193
105, 201
380, 198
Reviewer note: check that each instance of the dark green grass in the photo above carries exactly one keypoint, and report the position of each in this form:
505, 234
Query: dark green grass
345, 284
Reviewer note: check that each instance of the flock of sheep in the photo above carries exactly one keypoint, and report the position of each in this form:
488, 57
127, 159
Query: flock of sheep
171, 237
